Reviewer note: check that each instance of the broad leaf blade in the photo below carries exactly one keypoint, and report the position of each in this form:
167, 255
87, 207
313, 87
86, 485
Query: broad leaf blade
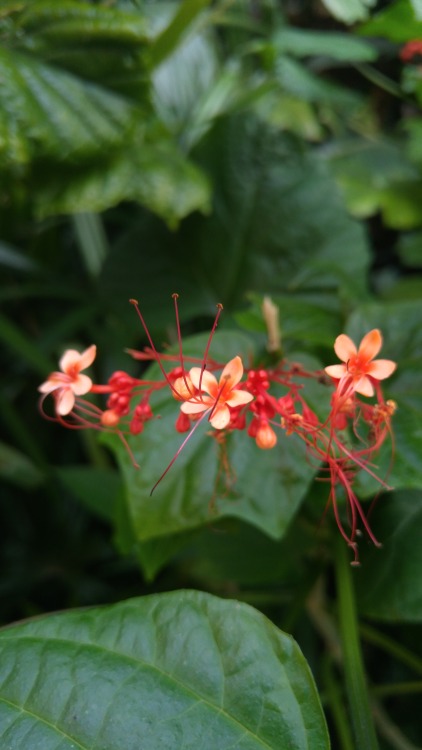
51, 113
250, 240
349, 11
210, 480
390, 587
78, 21
154, 174
180, 669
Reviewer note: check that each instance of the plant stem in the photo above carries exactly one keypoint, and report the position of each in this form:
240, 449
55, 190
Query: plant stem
336, 706
354, 671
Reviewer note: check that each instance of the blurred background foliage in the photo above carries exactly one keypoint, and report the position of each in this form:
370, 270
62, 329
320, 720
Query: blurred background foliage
224, 151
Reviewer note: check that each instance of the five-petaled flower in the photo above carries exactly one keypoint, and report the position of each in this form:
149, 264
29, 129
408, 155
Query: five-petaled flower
360, 367
216, 397
69, 382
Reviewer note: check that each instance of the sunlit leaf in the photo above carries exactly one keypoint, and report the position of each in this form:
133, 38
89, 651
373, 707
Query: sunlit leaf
75, 21
179, 26
154, 174
50, 112
397, 22
349, 11
304, 43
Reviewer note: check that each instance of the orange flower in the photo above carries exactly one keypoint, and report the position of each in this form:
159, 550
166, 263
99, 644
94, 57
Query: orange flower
360, 366
69, 382
217, 397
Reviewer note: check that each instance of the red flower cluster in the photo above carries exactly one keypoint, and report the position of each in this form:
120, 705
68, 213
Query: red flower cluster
411, 50
342, 443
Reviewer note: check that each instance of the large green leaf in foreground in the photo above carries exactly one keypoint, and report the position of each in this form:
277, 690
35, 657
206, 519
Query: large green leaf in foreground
180, 670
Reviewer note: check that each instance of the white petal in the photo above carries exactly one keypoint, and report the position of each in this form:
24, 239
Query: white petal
364, 386
207, 379
239, 398
87, 357
371, 344
65, 401
81, 385
221, 417
344, 347
381, 368
336, 371
70, 358
194, 408
232, 373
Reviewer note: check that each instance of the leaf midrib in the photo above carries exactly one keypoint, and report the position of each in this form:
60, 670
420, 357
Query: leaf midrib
139, 663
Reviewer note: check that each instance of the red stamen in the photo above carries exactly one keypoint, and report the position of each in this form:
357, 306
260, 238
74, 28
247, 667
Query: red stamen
157, 356
179, 339
207, 348
179, 450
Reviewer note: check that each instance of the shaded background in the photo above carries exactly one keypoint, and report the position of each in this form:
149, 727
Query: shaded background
224, 152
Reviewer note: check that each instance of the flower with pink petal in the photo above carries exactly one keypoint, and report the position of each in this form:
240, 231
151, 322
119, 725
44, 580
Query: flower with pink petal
360, 367
69, 382
217, 397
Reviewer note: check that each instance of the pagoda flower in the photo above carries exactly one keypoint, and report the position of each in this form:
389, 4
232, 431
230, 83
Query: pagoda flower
360, 369
69, 383
215, 396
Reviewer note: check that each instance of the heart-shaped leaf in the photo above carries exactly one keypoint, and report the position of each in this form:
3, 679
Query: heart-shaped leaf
210, 479
175, 670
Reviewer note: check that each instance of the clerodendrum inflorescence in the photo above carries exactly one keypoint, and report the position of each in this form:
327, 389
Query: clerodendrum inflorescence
342, 443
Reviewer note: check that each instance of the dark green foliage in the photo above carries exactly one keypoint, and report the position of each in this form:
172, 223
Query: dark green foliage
223, 152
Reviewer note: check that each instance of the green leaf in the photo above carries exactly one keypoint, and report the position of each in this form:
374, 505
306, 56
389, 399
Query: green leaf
251, 241
417, 9
12, 336
79, 21
13, 258
233, 552
192, 89
97, 488
304, 43
172, 670
174, 33
349, 11
154, 174
397, 22
18, 469
389, 585
47, 112
409, 248
375, 176
295, 78
312, 318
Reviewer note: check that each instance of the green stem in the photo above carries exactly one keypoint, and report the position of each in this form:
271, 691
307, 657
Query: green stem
336, 706
355, 678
